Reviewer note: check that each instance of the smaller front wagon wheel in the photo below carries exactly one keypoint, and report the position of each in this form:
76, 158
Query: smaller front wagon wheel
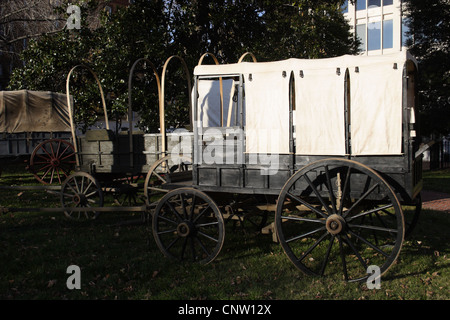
80, 194
188, 226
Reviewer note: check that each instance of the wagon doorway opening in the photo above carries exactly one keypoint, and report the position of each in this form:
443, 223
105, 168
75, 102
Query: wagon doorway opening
219, 120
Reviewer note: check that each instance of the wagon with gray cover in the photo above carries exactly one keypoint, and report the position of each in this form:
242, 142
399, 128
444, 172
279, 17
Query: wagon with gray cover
34, 125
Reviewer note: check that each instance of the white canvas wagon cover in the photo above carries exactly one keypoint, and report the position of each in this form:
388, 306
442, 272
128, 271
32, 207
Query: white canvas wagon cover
375, 103
33, 111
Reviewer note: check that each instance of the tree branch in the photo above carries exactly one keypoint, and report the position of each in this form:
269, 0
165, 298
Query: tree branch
19, 11
36, 35
33, 20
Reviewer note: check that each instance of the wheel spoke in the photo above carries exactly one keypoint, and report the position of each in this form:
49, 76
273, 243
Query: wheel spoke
191, 215
68, 156
303, 219
183, 206
342, 253
306, 204
174, 211
358, 226
51, 148
168, 220
369, 244
201, 214
355, 251
205, 250
208, 236
51, 176
318, 195
327, 255
48, 170
58, 149
207, 224
305, 235
172, 243
167, 231
364, 196
345, 190
159, 177
313, 246
369, 212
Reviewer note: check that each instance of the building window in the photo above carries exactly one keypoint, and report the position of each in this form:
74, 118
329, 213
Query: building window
374, 4
361, 5
387, 2
388, 34
361, 35
374, 36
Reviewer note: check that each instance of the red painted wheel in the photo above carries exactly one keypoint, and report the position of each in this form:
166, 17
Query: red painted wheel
52, 161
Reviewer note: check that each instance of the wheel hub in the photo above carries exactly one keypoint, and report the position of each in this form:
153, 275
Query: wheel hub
335, 224
185, 229
80, 199
54, 162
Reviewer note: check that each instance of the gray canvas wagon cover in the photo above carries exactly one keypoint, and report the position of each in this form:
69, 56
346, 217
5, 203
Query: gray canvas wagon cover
33, 111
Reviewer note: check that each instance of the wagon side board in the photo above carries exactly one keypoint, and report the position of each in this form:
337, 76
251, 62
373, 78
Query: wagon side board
257, 179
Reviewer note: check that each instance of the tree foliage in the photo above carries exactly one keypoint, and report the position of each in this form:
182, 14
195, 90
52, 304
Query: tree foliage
429, 25
157, 29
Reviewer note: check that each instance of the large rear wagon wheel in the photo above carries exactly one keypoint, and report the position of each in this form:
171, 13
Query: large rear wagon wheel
339, 216
188, 226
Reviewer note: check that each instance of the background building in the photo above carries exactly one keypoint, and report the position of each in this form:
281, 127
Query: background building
379, 25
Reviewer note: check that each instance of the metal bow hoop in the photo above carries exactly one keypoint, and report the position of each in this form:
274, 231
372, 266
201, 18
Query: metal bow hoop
200, 61
130, 110
69, 105
162, 100
246, 54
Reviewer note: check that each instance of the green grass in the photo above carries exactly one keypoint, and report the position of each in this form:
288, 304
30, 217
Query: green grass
121, 260
438, 180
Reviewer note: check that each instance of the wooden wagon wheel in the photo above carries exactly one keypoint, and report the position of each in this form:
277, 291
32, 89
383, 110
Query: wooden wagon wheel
126, 190
339, 216
52, 161
188, 225
243, 211
81, 190
160, 174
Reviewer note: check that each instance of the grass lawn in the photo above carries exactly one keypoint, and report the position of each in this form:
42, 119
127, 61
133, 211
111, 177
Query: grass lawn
438, 180
120, 260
